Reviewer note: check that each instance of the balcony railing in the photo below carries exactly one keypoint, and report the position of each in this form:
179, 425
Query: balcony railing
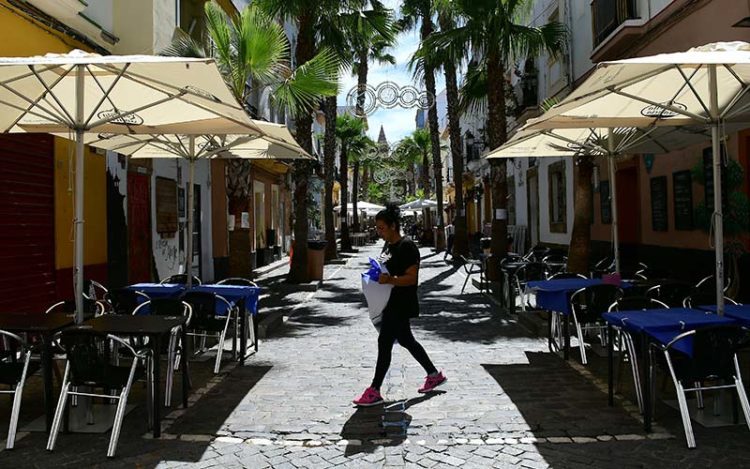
608, 15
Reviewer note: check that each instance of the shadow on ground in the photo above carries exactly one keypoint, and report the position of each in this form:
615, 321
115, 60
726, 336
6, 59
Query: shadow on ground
388, 423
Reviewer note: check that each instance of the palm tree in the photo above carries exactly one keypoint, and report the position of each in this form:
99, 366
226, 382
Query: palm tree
358, 150
493, 29
422, 11
408, 155
348, 129
252, 52
440, 58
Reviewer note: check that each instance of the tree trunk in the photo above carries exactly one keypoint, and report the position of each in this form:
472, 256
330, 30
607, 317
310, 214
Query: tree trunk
461, 238
329, 157
302, 169
355, 196
414, 182
432, 119
365, 185
346, 242
497, 134
580, 239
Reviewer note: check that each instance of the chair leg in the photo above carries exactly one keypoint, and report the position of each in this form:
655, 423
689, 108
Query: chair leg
699, 396
465, 282
523, 295
220, 349
685, 414
170, 370
117, 425
17, 395
581, 343
58, 413
635, 369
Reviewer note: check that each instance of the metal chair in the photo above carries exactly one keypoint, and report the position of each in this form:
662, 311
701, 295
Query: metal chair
701, 299
652, 273
180, 279
670, 293
94, 290
205, 322
532, 271
554, 263
169, 307
124, 300
708, 284
92, 308
239, 281
537, 253
89, 365
473, 266
587, 306
631, 348
713, 358
15, 366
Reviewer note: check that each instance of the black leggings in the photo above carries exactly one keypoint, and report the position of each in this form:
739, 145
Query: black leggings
393, 328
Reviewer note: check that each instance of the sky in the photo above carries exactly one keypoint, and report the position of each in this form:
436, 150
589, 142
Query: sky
397, 121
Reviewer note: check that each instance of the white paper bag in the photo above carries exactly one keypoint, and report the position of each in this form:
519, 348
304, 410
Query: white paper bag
376, 294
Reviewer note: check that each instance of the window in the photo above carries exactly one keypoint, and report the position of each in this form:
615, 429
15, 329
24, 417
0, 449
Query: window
557, 193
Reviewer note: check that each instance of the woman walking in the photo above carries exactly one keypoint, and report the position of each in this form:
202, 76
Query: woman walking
401, 256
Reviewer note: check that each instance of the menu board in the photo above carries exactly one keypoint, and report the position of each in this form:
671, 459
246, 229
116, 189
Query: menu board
682, 186
605, 202
659, 220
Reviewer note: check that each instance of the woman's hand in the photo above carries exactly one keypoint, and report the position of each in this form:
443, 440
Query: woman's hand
384, 278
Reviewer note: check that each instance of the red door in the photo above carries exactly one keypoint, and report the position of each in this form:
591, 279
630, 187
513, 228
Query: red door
139, 228
27, 222
628, 205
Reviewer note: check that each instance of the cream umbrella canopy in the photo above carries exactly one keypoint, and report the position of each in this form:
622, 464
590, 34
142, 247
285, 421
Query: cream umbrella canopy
705, 86
192, 148
80, 93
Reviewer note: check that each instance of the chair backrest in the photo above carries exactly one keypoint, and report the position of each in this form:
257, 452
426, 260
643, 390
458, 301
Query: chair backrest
181, 279
653, 273
564, 275
203, 306
704, 299
169, 307
91, 308
94, 290
537, 253
671, 293
88, 354
635, 303
530, 272
125, 300
713, 354
708, 284
239, 281
589, 303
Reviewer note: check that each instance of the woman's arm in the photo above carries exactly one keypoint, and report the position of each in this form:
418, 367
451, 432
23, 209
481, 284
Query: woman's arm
410, 277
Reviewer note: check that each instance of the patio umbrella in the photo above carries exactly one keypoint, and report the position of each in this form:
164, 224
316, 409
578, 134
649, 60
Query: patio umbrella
230, 144
609, 143
419, 204
705, 86
367, 207
79, 93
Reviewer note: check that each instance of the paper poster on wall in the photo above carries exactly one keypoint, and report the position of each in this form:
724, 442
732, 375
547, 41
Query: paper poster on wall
230, 222
245, 220
501, 214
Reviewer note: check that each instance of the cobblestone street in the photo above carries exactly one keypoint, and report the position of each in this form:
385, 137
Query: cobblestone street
507, 402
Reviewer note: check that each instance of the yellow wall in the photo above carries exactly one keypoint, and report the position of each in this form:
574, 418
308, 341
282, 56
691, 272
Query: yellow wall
25, 37
94, 206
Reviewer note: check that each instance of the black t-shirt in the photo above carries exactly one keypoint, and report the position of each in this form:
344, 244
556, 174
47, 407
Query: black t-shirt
397, 258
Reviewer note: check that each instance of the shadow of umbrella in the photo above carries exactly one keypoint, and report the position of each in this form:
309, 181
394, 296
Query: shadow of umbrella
388, 422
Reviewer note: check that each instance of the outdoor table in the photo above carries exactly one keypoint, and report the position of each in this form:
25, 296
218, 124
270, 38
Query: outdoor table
658, 326
46, 325
740, 313
159, 290
554, 296
243, 298
155, 328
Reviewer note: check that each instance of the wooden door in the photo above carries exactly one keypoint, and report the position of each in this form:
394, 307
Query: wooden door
628, 204
139, 228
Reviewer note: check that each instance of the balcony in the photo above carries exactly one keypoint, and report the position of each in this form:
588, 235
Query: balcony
608, 15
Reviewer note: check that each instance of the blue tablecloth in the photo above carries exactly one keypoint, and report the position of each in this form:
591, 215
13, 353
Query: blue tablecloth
233, 294
741, 313
159, 290
663, 325
554, 295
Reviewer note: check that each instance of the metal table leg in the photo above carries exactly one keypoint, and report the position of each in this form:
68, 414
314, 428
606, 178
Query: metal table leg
155, 340
610, 364
49, 407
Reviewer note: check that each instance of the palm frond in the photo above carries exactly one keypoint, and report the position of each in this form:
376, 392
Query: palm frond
183, 45
473, 90
311, 81
261, 44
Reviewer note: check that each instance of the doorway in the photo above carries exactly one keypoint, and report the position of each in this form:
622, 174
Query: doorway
139, 228
533, 206
628, 208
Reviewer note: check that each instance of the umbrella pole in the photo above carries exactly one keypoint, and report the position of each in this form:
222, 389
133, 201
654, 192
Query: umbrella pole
613, 197
718, 220
78, 222
189, 247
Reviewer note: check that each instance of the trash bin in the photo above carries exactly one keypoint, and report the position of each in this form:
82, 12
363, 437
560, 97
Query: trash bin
315, 259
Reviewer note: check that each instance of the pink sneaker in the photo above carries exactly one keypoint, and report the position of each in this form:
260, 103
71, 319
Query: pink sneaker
369, 398
431, 382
